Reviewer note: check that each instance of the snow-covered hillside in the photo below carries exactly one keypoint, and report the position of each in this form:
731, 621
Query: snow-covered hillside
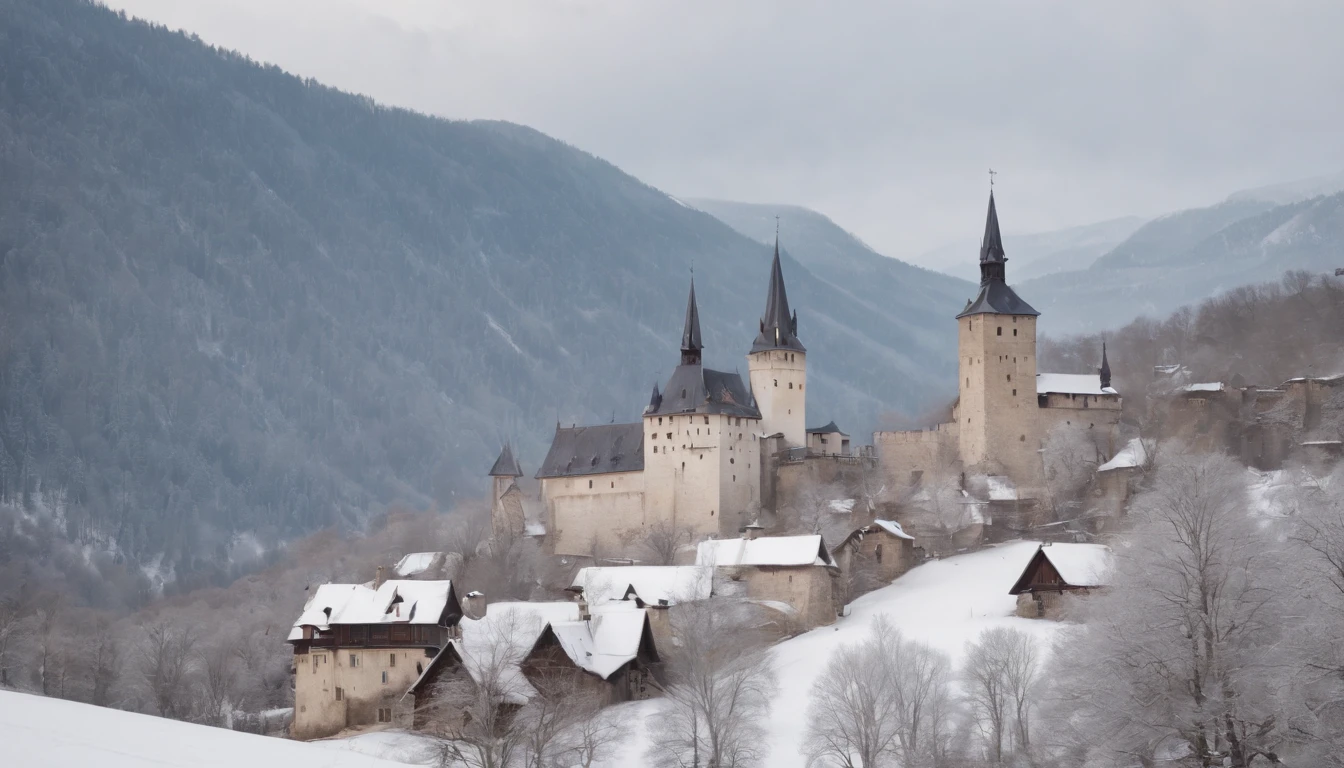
37, 732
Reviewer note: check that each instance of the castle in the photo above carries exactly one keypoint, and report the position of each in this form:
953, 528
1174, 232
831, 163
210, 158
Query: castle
708, 443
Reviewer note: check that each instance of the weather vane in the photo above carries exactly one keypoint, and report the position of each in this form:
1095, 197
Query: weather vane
992, 174
776, 227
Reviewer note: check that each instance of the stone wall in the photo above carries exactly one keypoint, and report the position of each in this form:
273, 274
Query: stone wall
605, 511
778, 377
376, 679
908, 458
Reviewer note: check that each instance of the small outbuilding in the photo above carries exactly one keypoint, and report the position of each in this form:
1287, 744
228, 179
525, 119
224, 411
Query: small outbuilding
1056, 570
797, 571
882, 547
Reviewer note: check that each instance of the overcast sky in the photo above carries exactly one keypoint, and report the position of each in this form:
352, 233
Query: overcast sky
884, 116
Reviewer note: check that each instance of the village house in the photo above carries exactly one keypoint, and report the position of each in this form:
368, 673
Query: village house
1056, 570
656, 588
796, 573
358, 647
1114, 477
883, 548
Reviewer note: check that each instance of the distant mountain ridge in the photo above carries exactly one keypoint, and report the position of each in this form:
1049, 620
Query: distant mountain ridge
238, 301
1039, 253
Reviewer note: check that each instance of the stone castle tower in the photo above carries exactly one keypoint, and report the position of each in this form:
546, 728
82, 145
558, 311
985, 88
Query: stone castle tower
777, 365
701, 454
996, 347
506, 499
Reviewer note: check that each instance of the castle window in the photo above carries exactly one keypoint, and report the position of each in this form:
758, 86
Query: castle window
1014, 331
732, 461
776, 382
1014, 393
1010, 377
340, 694
384, 713
1000, 333
968, 381
683, 393
706, 419
669, 435
969, 327
734, 478
613, 483
590, 483
655, 436
1021, 438
790, 385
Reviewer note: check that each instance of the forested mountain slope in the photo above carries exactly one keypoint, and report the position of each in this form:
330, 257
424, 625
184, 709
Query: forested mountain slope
1188, 256
234, 300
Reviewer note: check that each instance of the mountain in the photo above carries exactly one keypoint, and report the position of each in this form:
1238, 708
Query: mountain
1041, 253
239, 305
927, 299
1293, 191
1185, 257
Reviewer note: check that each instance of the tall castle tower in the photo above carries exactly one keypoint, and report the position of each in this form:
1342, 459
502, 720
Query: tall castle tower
996, 347
777, 365
506, 500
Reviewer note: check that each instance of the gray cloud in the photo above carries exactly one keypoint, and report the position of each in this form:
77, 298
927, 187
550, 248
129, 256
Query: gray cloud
884, 116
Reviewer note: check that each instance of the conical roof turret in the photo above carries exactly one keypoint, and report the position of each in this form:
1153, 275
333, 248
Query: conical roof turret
779, 326
506, 465
691, 346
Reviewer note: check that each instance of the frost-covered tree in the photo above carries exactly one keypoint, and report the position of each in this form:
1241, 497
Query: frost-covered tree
998, 680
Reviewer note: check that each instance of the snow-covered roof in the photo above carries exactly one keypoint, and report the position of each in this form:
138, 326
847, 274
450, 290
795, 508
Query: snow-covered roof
1079, 565
1132, 455
894, 528
1071, 384
1322, 442
1207, 386
415, 563
1330, 378
604, 643
841, 506
1000, 488
395, 602
504, 636
770, 550
651, 583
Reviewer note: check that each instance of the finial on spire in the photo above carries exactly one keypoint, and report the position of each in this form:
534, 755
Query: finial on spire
992, 174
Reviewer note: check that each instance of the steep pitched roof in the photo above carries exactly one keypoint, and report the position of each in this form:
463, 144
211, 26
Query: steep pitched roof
506, 465
606, 642
779, 328
696, 389
594, 450
768, 551
995, 296
1077, 565
650, 583
394, 602
691, 345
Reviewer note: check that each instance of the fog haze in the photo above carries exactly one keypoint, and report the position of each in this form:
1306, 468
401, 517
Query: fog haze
883, 117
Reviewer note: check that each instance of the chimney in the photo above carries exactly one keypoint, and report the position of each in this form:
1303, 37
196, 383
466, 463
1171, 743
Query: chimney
752, 530
473, 605
378, 578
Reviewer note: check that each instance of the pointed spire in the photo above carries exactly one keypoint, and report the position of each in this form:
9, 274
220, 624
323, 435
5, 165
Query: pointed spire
779, 326
691, 345
654, 401
992, 257
1105, 370
506, 465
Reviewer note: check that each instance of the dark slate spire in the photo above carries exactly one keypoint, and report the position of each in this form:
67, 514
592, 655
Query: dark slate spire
690, 334
991, 247
779, 327
995, 296
1105, 370
506, 465
654, 401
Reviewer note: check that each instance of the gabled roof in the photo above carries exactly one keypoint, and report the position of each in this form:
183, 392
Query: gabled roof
397, 601
696, 389
768, 551
826, 429
1132, 455
505, 635
1071, 384
606, 642
594, 450
652, 584
779, 328
506, 465
890, 527
1078, 565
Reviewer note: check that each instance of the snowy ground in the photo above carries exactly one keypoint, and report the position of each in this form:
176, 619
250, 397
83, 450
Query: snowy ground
37, 732
944, 603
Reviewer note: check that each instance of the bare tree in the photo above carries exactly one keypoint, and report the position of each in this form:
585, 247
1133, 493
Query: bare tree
721, 680
664, 541
1070, 458
1000, 673
165, 667
219, 682
16, 624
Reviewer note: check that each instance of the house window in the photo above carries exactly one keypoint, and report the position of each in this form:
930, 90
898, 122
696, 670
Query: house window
340, 694
392, 660
1014, 331
669, 435
1010, 377
878, 553
706, 419
1000, 333
790, 385
384, 714
384, 677
354, 660
1014, 393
